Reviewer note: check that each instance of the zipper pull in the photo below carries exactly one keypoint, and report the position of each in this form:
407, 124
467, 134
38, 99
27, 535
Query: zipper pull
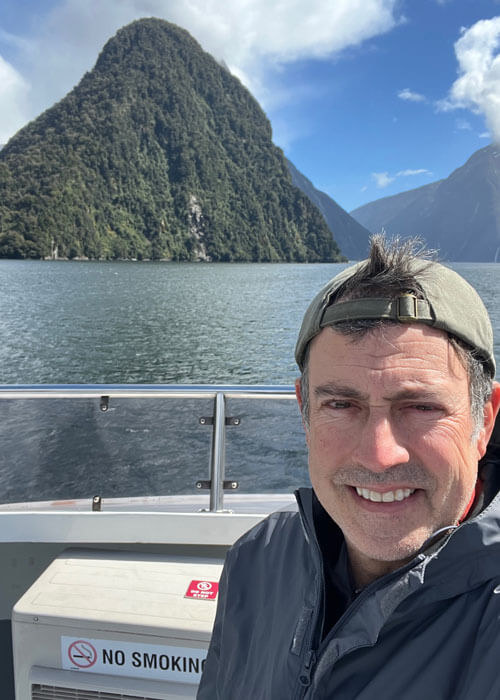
305, 676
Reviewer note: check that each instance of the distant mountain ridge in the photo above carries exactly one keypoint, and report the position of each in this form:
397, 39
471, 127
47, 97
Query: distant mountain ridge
350, 235
458, 216
158, 153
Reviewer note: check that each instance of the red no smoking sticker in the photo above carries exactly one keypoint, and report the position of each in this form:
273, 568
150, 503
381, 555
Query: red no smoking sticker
205, 590
82, 654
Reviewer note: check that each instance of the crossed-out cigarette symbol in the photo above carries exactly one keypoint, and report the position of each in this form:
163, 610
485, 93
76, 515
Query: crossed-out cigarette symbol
82, 654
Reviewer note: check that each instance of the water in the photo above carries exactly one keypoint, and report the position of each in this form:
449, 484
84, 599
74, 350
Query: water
76, 322
118, 322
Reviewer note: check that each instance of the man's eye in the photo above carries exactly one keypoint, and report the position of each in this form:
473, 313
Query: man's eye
340, 404
424, 407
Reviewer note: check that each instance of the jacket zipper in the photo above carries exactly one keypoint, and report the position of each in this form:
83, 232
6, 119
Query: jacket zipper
305, 675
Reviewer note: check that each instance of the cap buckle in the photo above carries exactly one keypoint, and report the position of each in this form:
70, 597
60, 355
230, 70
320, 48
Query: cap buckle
407, 308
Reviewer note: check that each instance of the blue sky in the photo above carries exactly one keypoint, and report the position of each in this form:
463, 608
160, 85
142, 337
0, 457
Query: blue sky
366, 97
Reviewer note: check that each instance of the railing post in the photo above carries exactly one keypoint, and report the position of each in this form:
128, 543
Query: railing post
218, 454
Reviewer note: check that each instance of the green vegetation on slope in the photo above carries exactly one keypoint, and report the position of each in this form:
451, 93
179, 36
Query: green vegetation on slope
158, 153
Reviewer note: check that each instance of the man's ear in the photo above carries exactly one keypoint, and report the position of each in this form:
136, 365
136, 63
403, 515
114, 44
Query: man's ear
298, 394
491, 409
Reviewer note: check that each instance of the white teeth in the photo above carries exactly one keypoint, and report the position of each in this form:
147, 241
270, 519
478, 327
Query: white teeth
387, 497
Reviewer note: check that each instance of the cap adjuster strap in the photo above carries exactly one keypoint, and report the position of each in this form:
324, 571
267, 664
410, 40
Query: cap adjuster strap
405, 308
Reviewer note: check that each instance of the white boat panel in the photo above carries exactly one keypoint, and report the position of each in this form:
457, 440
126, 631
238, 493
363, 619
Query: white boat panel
124, 527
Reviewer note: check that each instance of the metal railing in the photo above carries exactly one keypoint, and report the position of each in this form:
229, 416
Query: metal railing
219, 419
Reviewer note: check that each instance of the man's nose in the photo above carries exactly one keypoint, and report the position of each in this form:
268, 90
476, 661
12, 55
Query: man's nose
379, 447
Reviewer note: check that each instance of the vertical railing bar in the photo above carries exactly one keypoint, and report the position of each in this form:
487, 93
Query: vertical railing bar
217, 457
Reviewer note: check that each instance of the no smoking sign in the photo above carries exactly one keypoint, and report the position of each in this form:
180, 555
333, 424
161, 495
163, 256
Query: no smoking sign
203, 590
82, 654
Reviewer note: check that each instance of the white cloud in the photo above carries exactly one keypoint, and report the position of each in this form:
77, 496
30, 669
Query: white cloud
478, 84
13, 92
253, 37
382, 179
244, 32
411, 96
485, 135
411, 173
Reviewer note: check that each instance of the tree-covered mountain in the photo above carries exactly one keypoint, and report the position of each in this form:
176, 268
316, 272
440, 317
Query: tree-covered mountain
458, 216
158, 153
350, 235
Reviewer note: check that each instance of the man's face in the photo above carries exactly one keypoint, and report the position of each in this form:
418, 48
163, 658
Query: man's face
392, 456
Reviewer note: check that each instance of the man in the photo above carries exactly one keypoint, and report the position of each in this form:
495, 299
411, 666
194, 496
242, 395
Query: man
386, 583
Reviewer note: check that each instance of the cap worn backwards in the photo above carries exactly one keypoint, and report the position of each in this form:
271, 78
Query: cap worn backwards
450, 304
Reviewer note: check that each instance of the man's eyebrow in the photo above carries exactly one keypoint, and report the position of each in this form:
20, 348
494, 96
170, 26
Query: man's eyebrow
415, 394
334, 389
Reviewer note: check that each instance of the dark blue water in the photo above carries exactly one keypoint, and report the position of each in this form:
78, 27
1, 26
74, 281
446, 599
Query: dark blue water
117, 322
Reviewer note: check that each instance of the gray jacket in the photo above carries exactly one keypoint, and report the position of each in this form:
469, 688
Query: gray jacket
429, 630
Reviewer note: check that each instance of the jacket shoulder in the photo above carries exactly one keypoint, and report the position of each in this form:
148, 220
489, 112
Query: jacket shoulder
274, 527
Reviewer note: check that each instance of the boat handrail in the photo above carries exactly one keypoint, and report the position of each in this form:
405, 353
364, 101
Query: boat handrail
218, 392
71, 391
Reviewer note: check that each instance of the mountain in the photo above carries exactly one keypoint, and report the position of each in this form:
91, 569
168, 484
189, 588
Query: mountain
375, 215
158, 153
350, 235
458, 216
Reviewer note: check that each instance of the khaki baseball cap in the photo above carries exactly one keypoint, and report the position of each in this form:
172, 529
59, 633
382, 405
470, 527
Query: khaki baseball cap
450, 303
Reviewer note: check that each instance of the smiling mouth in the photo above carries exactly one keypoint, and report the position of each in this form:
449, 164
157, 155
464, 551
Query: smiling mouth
385, 497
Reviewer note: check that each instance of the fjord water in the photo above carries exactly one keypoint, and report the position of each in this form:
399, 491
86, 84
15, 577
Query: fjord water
125, 322
88, 322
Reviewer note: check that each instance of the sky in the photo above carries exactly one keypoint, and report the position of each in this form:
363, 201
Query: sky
367, 98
